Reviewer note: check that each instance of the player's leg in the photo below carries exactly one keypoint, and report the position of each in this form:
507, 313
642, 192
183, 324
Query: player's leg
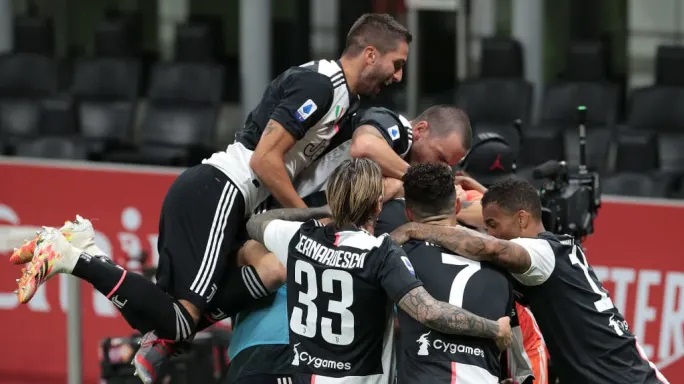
137, 298
226, 302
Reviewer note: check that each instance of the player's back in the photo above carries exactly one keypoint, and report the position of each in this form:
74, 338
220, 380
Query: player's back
427, 356
339, 304
587, 337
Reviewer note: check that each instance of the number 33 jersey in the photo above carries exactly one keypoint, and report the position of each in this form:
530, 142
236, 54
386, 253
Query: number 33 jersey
341, 286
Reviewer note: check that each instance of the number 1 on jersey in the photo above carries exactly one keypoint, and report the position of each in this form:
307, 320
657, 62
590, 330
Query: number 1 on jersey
604, 303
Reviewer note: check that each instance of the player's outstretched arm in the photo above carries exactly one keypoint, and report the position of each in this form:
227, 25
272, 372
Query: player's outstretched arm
468, 243
446, 318
368, 142
256, 225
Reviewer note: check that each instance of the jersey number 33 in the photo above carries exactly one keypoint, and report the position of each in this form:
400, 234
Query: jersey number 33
305, 275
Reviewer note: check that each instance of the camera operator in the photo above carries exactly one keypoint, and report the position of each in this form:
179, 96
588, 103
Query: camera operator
587, 336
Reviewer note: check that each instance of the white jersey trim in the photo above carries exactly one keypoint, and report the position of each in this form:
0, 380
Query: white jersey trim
542, 261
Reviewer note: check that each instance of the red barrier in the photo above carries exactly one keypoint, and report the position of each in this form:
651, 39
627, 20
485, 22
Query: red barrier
124, 205
636, 251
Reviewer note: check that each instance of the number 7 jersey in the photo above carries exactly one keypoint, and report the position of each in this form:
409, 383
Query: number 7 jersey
341, 286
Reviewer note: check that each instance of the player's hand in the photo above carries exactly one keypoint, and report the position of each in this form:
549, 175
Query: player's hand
402, 234
468, 183
505, 335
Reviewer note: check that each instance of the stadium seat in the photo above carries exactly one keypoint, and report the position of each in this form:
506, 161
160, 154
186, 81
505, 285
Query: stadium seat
24, 80
560, 102
52, 148
24, 75
501, 57
541, 145
34, 34
597, 148
494, 104
658, 108
636, 152
106, 89
635, 184
671, 153
114, 38
588, 61
669, 63
182, 111
194, 43
58, 117
18, 120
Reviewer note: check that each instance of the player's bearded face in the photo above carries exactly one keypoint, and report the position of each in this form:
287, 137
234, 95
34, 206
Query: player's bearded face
376, 78
383, 69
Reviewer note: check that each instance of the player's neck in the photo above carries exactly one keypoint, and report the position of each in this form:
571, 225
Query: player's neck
444, 220
349, 65
534, 230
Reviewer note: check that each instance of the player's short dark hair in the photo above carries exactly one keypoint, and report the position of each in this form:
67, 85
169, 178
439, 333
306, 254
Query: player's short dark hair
429, 190
444, 119
513, 195
379, 30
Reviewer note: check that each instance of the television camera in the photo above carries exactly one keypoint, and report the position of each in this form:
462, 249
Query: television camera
570, 199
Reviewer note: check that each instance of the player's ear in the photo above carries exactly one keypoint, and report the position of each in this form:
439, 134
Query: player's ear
523, 219
420, 128
370, 54
457, 205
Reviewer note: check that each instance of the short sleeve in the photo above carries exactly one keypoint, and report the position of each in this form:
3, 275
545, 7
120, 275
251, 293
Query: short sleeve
395, 272
389, 125
306, 97
542, 261
278, 235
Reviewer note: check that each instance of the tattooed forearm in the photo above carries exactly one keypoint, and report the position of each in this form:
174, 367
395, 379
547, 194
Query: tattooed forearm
444, 317
270, 127
256, 225
475, 245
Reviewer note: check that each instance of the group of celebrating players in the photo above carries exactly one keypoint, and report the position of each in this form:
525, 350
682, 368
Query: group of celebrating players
323, 222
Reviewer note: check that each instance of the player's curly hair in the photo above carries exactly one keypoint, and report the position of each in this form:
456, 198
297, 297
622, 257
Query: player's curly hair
429, 190
379, 30
513, 195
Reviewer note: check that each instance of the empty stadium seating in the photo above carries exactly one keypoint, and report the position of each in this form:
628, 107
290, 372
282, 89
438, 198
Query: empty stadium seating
25, 79
179, 124
106, 91
494, 104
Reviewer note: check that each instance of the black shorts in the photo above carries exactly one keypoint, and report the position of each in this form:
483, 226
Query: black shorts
202, 218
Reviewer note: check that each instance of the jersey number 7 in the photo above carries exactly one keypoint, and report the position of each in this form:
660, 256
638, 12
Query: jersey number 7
461, 280
309, 327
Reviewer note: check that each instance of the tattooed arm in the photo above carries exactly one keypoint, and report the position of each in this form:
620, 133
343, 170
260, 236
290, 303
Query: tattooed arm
256, 225
446, 318
268, 162
305, 98
468, 243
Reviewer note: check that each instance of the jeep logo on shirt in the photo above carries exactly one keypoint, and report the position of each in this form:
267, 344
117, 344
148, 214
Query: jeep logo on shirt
313, 150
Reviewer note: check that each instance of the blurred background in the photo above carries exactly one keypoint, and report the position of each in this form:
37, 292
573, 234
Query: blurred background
95, 96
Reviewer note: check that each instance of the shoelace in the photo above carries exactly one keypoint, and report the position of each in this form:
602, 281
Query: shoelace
165, 345
169, 347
